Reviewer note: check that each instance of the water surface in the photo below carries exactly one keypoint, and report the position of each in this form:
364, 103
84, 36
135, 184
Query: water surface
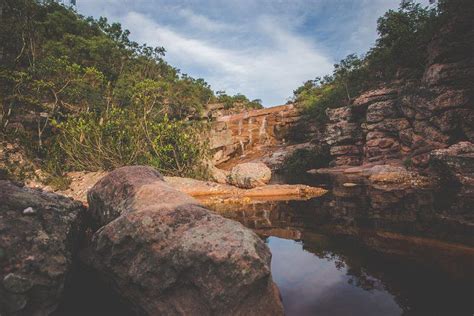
364, 251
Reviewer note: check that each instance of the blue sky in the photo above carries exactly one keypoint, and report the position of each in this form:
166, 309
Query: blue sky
264, 49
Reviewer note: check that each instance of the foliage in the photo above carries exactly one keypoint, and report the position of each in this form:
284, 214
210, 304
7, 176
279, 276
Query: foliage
122, 137
87, 97
238, 101
303, 160
403, 38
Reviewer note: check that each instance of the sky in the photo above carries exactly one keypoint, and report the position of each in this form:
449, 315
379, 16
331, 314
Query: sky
263, 49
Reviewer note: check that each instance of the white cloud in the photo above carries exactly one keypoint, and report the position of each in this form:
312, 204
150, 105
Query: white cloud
204, 23
264, 49
270, 72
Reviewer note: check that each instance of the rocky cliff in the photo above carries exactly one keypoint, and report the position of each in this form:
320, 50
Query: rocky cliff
251, 132
407, 119
401, 121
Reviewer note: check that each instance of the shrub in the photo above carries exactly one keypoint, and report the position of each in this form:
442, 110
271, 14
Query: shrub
305, 159
120, 137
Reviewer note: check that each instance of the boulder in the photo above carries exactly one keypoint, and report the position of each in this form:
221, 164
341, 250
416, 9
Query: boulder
455, 163
250, 175
219, 175
38, 238
167, 255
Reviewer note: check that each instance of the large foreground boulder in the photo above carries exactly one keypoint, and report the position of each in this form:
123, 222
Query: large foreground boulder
167, 255
38, 239
250, 175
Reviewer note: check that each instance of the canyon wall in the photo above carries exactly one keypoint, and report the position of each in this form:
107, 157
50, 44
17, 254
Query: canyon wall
404, 120
250, 131
409, 118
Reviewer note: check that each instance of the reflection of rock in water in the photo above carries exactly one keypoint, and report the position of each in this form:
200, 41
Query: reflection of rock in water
363, 231
395, 222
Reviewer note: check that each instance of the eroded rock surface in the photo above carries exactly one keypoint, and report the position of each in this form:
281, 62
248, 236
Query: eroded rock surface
38, 238
242, 134
457, 162
408, 118
166, 254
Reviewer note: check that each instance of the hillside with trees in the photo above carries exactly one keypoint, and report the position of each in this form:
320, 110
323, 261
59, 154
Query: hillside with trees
400, 52
78, 94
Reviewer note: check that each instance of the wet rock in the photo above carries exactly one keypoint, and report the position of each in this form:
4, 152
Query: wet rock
36, 252
250, 175
207, 190
239, 134
166, 254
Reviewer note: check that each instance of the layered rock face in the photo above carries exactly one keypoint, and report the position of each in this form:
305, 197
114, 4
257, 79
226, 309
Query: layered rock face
39, 235
238, 134
166, 254
455, 164
407, 119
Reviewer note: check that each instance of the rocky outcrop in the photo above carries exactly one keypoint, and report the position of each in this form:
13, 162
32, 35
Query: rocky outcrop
39, 234
405, 120
239, 134
455, 167
166, 254
206, 191
250, 175
456, 162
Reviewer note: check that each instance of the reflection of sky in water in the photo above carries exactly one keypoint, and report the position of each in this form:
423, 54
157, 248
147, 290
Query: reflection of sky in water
315, 286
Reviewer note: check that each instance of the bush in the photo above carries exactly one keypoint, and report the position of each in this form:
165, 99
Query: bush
120, 137
402, 43
303, 160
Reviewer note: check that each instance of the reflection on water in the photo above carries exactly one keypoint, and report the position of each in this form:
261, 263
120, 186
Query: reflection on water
312, 285
361, 252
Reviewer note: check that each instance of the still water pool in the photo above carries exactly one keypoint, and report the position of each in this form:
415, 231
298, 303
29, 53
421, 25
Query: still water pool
365, 251
355, 251
323, 285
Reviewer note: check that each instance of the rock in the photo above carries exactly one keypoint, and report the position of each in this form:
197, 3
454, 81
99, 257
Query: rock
455, 162
339, 114
344, 150
376, 95
250, 175
439, 74
247, 132
167, 255
35, 251
29, 211
16, 284
378, 111
342, 133
207, 190
219, 175
349, 184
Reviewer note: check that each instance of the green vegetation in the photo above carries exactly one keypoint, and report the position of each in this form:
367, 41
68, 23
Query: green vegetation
238, 101
303, 160
401, 47
80, 95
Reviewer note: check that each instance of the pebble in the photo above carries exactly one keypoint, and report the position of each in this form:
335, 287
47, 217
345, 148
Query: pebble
349, 184
29, 211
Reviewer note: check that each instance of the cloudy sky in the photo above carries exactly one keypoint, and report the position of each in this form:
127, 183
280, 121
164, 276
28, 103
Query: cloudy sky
263, 49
